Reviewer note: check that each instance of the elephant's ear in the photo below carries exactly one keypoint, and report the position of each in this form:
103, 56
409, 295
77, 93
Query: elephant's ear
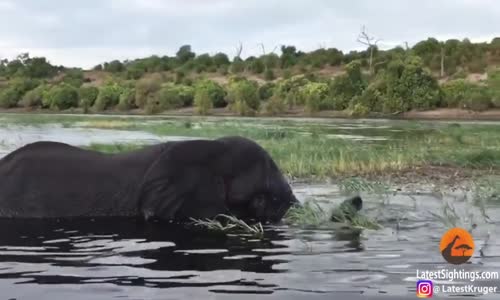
170, 180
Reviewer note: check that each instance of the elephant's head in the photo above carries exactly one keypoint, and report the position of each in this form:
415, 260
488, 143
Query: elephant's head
203, 178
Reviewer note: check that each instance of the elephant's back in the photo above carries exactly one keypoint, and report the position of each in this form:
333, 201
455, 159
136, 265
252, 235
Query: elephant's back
50, 179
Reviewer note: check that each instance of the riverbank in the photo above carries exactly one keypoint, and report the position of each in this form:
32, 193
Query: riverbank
396, 152
444, 114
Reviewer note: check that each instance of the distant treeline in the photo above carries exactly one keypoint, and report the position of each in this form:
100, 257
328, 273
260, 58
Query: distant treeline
389, 81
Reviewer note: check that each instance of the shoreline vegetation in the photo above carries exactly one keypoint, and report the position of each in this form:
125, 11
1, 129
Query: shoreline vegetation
434, 157
409, 152
433, 79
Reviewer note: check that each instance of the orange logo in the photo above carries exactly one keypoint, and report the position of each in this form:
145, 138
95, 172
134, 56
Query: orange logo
457, 246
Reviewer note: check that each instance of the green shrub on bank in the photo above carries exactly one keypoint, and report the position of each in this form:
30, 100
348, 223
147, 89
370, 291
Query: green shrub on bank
243, 97
146, 89
345, 87
203, 102
109, 96
88, 95
316, 95
127, 99
275, 105
478, 99
216, 93
288, 90
34, 98
171, 97
266, 90
15, 90
62, 96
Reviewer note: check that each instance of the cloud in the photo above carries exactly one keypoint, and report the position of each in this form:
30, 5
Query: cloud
84, 33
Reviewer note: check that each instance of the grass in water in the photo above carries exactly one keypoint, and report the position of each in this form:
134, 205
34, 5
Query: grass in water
229, 223
312, 214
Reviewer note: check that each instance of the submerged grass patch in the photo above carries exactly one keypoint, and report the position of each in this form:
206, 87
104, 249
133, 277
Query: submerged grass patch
311, 214
228, 223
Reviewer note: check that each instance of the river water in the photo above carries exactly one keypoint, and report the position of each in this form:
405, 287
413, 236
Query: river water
127, 259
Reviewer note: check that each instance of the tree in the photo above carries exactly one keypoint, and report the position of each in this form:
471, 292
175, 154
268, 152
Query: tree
371, 42
347, 86
184, 54
238, 65
288, 56
220, 59
114, 66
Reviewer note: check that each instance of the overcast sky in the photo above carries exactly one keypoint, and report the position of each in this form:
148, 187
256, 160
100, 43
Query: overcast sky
84, 33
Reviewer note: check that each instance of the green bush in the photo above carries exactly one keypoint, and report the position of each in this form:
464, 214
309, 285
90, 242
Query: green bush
202, 101
127, 99
62, 96
34, 98
109, 96
289, 90
275, 106
16, 88
417, 86
478, 99
243, 97
215, 92
345, 87
372, 98
266, 90
9, 98
269, 74
88, 95
256, 66
455, 92
406, 85
74, 77
359, 110
237, 66
173, 96
145, 89
315, 95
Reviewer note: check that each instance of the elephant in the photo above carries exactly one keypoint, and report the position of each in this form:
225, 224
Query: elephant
172, 181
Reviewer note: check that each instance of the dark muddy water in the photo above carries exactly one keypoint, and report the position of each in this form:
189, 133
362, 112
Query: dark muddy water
127, 259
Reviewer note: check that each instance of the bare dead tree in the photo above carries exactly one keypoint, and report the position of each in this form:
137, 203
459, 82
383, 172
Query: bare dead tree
369, 41
264, 49
239, 49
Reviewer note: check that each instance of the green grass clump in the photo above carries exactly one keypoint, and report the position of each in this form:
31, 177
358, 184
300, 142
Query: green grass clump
313, 215
229, 223
309, 214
